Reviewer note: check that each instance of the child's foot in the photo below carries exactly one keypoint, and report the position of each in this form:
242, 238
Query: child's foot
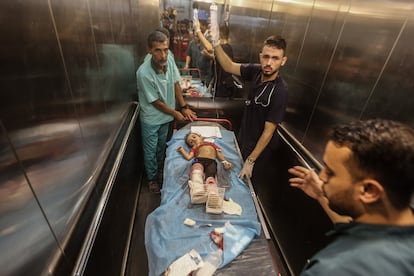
211, 181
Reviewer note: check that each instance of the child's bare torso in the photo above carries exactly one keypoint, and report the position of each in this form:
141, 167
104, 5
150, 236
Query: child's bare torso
207, 151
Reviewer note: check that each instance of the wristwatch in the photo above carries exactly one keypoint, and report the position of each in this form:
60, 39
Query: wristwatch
250, 160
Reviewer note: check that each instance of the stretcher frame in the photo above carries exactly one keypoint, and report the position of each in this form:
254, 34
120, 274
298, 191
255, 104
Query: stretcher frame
258, 253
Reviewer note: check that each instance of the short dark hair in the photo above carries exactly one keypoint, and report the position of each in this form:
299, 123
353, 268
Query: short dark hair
383, 150
164, 31
276, 41
156, 36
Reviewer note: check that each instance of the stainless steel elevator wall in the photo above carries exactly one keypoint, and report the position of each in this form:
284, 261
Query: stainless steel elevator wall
67, 75
346, 59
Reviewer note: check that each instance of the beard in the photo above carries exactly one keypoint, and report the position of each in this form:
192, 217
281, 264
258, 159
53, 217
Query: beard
162, 62
342, 203
268, 71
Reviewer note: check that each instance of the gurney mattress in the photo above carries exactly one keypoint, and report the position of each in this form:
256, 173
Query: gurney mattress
166, 236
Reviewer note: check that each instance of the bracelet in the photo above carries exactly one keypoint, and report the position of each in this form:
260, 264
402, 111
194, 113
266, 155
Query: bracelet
250, 160
184, 106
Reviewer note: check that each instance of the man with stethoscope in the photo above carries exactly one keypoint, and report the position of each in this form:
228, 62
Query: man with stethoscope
267, 98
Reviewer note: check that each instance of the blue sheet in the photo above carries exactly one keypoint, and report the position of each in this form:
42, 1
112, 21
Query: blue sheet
167, 238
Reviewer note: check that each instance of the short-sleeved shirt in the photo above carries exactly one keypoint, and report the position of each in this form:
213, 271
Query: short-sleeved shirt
266, 101
198, 60
153, 85
180, 44
365, 249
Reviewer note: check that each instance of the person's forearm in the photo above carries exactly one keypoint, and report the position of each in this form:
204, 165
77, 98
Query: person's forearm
263, 141
225, 61
210, 55
185, 154
333, 216
220, 156
187, 61
160, 105
204, 40
179, 95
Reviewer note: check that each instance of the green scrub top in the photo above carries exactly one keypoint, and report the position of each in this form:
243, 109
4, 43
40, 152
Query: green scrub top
153, 85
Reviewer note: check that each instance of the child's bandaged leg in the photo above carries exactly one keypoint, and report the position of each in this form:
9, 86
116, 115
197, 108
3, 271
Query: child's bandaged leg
197, 173
198, 192
215, 198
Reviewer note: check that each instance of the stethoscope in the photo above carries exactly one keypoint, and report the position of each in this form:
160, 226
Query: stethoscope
256, 98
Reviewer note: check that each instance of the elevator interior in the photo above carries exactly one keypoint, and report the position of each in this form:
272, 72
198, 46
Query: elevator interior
68, 115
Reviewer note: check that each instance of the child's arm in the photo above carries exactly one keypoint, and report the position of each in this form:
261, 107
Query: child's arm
220, 156
186, 155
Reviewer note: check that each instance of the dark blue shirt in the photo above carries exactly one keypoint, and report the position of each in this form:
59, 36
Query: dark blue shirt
365, 249
266, 101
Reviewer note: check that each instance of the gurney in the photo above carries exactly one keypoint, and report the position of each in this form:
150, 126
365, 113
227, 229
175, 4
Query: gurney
167, 237
191, 83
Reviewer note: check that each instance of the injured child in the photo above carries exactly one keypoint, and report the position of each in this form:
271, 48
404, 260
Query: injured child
204, 166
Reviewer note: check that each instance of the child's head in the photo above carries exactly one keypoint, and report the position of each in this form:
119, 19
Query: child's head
192, 139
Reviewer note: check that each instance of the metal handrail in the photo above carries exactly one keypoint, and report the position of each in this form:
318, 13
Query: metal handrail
86, 249
298, 149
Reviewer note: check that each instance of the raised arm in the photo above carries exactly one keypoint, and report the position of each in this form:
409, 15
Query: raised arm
225, 61
310, 183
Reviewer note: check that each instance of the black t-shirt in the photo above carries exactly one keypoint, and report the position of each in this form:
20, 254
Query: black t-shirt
266, 101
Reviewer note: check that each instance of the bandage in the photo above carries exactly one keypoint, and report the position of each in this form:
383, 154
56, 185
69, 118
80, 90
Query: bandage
185, 264
189, 222
232, 208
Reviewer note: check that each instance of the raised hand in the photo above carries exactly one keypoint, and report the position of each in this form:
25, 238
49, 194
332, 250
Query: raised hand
306, 180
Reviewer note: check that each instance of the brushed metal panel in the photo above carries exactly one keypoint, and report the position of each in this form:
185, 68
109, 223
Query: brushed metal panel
25, 237
311, 29
392, 96
364, 44
67, 73
248, 28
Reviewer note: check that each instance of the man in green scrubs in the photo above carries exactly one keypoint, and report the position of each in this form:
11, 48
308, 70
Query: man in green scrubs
161, 101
